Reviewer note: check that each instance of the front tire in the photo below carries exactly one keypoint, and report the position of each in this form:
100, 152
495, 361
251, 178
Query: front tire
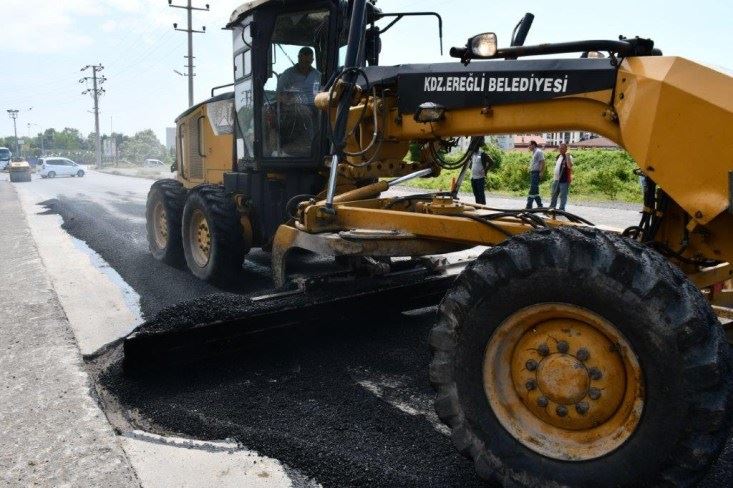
52, 174
163, 214
80, 173
213, 238
560, 333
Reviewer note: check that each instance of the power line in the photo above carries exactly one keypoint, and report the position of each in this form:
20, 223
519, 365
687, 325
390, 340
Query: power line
190, 31
96, 91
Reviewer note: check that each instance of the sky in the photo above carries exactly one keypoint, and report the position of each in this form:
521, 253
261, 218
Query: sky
45, 43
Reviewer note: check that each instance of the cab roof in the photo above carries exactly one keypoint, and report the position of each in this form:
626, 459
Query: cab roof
247, 7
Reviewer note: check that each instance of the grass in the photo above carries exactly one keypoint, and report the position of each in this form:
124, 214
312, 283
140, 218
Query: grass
598, 175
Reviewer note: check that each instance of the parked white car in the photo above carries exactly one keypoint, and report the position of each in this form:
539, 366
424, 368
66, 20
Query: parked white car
5, 156
53, 167
153, 163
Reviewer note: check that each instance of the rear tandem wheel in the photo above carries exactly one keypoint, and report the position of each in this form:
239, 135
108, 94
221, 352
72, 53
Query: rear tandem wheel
576, 357
213, 238
163, 220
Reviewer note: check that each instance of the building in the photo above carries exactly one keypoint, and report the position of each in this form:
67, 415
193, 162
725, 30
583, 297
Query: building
170, 138
570, 137
597, 142
521, 141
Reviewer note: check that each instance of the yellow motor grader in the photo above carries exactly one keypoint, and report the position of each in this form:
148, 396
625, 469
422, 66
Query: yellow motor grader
566, 354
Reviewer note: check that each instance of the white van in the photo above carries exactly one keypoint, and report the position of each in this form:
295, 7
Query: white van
53, 167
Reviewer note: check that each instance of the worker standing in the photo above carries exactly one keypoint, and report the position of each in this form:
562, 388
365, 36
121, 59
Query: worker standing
562, 177
536, 168
479, 165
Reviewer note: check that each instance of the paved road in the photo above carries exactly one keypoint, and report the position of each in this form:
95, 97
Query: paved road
345, 404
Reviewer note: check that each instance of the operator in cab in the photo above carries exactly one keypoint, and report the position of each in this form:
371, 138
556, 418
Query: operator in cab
296, 89
301, 81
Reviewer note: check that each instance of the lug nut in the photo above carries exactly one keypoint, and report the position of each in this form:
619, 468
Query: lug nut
562, 347
531, 365
582, 354
582, 408
531, 385
595, 373
543, 350
542, 401
594, 393
561, 410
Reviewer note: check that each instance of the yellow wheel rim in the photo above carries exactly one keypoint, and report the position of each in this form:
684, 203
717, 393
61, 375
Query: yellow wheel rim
160, 226
200, 238
563, 381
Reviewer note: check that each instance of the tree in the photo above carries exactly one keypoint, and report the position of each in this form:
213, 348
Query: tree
143, 145
68, 139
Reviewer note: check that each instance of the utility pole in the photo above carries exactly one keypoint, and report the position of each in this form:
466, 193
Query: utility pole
96, 91
14, 115
190, 31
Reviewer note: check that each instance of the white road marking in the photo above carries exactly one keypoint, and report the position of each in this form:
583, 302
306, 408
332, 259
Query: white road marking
394, 390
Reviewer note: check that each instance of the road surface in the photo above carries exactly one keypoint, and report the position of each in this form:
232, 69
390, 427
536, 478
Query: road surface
340, 404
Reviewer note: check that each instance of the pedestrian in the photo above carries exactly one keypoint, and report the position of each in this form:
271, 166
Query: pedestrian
562, 177
536, 168
480, 162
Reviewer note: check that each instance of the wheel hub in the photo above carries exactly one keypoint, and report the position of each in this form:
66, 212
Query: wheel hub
200, 238
580, 378
161, 225
563, 381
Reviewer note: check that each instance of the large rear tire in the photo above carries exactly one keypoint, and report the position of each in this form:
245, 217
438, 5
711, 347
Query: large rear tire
163, 214
213, 238
575, 357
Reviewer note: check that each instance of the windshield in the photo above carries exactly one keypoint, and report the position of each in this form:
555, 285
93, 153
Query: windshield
297, 61
5, 154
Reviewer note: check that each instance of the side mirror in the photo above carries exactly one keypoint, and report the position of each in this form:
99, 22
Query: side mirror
482, 45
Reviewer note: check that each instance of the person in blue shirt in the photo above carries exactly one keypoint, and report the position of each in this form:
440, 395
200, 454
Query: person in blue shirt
301, 81
296, 89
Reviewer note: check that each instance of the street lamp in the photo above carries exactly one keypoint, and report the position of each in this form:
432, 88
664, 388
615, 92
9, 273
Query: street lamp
13, 113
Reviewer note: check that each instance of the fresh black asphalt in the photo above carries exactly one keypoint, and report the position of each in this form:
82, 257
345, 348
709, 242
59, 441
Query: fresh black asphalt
299, 396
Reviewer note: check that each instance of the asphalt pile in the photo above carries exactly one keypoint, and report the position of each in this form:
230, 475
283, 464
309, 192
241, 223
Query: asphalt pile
297, 397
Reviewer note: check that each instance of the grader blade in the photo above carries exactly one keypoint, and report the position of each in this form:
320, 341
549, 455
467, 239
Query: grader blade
172, 338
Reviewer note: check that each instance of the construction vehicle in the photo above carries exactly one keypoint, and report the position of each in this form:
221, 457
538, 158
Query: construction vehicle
20, 171
566, 354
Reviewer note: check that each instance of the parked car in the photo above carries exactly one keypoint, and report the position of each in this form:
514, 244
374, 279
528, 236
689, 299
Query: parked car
5, 156
53, 167
153, 163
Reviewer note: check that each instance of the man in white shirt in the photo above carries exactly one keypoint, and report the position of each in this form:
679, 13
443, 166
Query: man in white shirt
536, 169
478, 174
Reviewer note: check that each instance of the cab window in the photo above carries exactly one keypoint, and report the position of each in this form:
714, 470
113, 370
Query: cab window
296, 64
